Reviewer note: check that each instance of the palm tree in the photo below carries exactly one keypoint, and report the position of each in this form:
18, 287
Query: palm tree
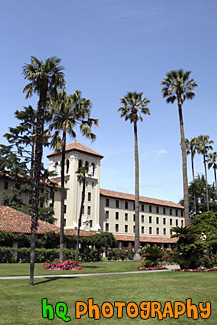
178, 86
69, 111
191, 149
203, 146
82, 172
45, 78
212, 162
133, 108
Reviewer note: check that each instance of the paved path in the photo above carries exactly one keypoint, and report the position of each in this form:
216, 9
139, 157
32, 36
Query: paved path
170, 267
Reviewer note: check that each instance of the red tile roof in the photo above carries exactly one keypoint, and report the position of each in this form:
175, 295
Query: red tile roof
72, 232
147, 239
142, 199
15, 221
77, 147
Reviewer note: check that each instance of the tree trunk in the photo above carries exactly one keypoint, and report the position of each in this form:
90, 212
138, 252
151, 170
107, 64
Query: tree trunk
137, 245
215, 179
192, 168
62, 196
184, 166
207, 194
80, 217
36, 179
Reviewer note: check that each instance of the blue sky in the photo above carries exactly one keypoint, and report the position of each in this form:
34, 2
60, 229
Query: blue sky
109, 48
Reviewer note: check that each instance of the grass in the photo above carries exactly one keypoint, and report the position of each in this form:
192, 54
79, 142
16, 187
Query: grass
10, 269
21, 303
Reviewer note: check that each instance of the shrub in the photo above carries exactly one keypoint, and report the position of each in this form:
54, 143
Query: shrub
151, 255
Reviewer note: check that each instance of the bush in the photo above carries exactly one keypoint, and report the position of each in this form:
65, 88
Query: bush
151, 255
115, 254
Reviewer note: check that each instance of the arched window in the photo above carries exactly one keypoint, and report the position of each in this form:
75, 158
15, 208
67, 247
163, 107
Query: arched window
80, 163
56, 168
92, 169
87, 165
67, 166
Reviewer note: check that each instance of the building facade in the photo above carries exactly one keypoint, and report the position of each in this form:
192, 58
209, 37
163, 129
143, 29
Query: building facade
106, 210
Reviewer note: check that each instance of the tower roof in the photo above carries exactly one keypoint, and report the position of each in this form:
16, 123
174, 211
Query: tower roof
76, 146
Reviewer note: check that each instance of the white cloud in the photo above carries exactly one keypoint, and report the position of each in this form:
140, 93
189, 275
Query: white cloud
162, 152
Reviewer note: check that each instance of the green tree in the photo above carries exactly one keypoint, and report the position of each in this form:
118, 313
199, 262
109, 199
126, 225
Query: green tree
203, 147
45, 78
212, 163
178, 86
133, 108
69, 111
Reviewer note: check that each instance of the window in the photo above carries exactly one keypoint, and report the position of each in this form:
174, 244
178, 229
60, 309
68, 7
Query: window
171, 222
65, 194
64, 208
106, 227
88, 210
164, 221
134, 229
17, 186
89, 196
56, 168
107, 214
142, 218
117, 204
117, 215
134, 206
91, 223
107, 202
150, 219
92, 169
126, 205
157, 231
80, 163
176, 213
5, 185
157, 220
134, 218
67, 166
157, 209
182, 223
142, 229
182, 213
64, 222
171, 212
126, 228
87, 166
150, 230
177, 223
126, 216
164, 210
142, 208
171, 232
116, 227
150, 208
164, 231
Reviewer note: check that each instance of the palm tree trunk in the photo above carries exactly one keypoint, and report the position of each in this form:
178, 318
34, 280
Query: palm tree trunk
215, 179
36, 179
207, 194
136, 252
80, 218
184, 166
62, 196
192, 168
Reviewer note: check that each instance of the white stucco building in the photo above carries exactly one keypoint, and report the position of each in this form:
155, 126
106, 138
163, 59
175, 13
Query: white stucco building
106, 210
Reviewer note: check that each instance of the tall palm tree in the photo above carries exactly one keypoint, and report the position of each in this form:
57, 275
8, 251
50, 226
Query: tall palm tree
178, 86
191, 149
82, 172
203, 147
69, 111
212, 162
133, 108
45, 78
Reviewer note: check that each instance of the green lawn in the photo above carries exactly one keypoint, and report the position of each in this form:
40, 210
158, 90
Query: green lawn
10, 269
21, 303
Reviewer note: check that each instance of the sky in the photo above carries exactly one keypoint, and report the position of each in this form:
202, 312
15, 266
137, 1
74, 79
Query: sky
108, 48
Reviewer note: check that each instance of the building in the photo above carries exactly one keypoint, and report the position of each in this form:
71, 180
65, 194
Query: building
106, 210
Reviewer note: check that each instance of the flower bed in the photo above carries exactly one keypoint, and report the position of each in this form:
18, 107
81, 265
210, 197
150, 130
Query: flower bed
60, 265
197, 270
151, 268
